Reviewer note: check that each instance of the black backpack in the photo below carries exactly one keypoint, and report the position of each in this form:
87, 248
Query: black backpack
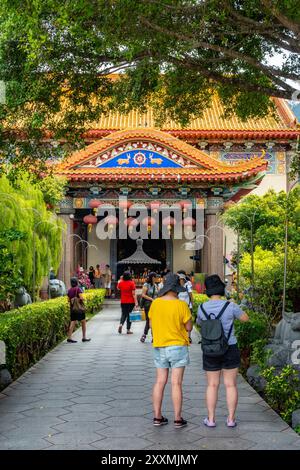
214, 341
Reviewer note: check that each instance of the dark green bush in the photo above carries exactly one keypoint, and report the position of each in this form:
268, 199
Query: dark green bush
248, 333
31, 331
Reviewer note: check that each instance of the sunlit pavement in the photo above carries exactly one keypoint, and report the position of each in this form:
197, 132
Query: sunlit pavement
97, 395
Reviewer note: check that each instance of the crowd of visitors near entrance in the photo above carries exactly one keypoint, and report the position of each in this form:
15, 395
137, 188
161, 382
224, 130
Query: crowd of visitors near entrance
167, 300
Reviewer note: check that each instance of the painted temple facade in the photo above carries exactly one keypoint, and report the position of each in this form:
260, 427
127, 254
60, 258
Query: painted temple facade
210, 164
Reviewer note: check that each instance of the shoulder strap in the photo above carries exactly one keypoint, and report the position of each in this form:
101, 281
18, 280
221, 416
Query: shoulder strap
230, 331
204, 312
223, 310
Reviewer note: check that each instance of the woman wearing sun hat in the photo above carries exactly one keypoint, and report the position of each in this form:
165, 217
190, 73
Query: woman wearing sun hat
229, 362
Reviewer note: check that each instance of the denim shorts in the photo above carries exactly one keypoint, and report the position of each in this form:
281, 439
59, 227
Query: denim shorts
171, 357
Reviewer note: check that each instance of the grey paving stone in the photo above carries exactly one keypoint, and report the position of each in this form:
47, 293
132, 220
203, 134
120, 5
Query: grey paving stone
103, 391
223, 443
74, 438
271, 440
80, 416
79, 426
121, 443
24, 443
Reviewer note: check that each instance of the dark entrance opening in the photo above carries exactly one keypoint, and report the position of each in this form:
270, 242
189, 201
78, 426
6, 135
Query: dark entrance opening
154, 248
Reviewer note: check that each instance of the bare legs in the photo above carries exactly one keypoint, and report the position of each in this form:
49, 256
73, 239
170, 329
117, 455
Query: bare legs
72, 326
213, 382
230, 376
176, 379
159, 388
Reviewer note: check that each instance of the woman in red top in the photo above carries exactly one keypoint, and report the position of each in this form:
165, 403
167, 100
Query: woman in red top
128, 300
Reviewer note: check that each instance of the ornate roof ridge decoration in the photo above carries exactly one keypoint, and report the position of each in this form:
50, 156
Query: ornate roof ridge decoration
203, 163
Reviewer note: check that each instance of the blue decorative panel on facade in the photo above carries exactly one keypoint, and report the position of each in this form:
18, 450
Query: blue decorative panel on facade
140, 158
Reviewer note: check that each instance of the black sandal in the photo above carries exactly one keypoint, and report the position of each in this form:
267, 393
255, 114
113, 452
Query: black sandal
160, 421
180, 423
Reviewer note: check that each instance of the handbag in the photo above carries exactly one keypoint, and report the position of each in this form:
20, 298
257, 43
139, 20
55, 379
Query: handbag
145, 303
77, 305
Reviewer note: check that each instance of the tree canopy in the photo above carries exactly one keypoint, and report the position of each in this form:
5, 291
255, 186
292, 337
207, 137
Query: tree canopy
56, 57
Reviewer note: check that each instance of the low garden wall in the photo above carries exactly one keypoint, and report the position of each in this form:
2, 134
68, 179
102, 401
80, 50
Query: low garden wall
31, 331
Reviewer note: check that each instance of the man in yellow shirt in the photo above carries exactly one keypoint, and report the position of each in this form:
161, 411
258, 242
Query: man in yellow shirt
171, 321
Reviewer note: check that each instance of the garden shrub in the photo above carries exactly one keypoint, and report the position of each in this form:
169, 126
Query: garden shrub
248, 333
282, 391
31, 331
198, 300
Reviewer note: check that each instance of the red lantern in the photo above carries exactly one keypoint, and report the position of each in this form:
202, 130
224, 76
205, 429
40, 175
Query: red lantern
189, 222
131, 222
111, 220
169, 222
149, 222
125, 205
185, 205
94, 204
154, 206
90, 220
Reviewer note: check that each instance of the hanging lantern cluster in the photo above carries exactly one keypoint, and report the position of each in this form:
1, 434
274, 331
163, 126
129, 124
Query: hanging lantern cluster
149, 222
111, 221
169, 222
90, 220
125, 205
189, 222
154, 206
94, 204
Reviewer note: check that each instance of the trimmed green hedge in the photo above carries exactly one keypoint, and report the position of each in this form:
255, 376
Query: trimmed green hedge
31, 331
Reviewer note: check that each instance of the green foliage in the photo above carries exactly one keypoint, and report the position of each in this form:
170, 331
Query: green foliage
268, 268
10, 277
263, 218
266, 216
247, 333
31, 331
198, 300
53, 189
56, 57
282, 390
259, 354
22, 209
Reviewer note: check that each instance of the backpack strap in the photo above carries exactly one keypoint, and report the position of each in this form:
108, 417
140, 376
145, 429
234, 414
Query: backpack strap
204, 312
230, 331
219, 316
223, 310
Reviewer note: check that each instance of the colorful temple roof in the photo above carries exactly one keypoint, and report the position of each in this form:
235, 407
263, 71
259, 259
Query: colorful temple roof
149, 155
212, 124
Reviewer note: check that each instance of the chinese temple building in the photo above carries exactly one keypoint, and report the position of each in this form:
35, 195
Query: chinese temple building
208, 164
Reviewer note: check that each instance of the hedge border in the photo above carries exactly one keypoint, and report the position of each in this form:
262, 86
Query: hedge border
33, 330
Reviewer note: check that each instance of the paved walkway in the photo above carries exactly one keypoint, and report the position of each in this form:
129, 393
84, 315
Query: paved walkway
97, 395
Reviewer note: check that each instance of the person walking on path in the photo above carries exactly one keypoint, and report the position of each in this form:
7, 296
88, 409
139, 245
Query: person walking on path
187, 295
97, 277
170, 320
128, 300
149, 293
228, 362
107, 281
76, 315
92, 276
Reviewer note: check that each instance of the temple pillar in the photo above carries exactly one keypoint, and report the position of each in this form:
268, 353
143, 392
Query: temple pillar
213, 251
66, 268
